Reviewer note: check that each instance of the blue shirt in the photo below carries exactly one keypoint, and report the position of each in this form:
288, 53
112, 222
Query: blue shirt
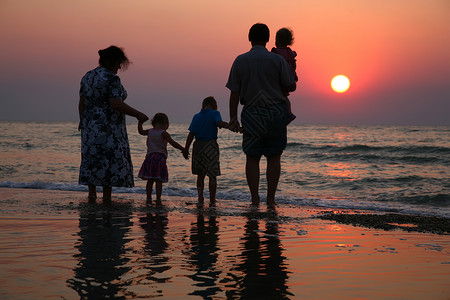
204, 124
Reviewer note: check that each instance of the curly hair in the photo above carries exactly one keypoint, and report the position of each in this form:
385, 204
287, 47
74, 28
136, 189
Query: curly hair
284, 37
160, 118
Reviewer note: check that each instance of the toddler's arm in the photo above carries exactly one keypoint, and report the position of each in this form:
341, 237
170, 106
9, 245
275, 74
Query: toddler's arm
165, 135
141, 130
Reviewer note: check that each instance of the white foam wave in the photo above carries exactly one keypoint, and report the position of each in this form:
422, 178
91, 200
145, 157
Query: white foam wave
240, 196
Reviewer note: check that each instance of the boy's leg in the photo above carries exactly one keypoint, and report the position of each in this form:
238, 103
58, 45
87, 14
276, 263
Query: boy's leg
200, 188
252, 174
212, 189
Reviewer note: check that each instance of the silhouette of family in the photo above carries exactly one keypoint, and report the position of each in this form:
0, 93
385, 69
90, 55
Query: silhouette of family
259, 80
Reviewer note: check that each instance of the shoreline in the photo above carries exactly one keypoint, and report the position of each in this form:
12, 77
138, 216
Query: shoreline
128, 250
368, 219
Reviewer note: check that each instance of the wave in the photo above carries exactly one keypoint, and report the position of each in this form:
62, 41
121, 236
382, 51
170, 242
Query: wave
366, 148
435, 205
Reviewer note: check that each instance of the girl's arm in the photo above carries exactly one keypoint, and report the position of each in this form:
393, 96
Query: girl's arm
141, 130
165, 135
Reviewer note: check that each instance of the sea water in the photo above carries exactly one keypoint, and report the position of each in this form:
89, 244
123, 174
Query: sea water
383, 168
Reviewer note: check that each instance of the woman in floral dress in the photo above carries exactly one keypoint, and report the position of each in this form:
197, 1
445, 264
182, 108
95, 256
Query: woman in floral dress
105, 152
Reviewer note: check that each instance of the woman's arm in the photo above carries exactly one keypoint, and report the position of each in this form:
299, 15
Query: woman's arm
122, 107
80, 110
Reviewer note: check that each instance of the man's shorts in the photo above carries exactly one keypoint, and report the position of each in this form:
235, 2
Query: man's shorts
264, 130
205, 158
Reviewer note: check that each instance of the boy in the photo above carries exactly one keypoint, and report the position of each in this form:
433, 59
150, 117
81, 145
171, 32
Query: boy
205, 152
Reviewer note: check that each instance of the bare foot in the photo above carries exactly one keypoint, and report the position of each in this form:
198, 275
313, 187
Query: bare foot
255, 200
271, 204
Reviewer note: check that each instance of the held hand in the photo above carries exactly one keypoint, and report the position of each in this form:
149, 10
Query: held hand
142, 118
185, 153
234, 125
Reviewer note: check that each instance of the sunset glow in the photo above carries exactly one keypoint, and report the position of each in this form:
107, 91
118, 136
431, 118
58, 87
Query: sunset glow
178, 58
340, 83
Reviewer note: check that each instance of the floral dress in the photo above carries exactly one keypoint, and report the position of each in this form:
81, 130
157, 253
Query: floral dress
105, 151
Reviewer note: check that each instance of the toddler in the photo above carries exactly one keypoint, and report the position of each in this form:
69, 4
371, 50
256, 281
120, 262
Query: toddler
283, 39
154, 167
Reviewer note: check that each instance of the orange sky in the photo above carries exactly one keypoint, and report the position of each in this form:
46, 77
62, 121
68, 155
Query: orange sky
395, 54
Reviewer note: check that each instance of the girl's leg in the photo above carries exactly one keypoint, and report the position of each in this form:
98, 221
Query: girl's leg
212, 190
107, 194
149, 189
200, 188
92, 195
158, 191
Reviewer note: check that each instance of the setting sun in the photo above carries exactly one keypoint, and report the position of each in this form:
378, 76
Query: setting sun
340, 83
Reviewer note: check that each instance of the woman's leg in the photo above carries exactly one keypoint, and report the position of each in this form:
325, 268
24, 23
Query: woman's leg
107, 190
92, 195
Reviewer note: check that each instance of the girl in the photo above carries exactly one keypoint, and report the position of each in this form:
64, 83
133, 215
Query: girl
283, 39
154, 168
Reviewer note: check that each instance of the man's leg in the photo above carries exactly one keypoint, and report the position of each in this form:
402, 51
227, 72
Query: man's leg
273, 177
252, 173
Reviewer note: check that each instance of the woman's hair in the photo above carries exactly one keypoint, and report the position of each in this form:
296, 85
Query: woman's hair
259, 33
160, 118
209, 101
284, 37
113, 55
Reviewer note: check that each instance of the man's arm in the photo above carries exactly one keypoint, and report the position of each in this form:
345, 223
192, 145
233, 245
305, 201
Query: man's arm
291, 88
234, 125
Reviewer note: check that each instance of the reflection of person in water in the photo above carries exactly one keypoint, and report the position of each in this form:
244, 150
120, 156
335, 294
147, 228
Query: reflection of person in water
102, 247
204, 240
263, 267
155, 226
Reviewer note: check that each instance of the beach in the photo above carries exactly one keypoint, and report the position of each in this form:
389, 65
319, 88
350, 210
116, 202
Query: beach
54, 245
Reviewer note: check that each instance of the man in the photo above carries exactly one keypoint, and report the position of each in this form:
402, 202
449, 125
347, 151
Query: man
259, 80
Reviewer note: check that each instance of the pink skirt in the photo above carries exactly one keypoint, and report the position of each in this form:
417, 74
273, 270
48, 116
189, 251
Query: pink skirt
154, 167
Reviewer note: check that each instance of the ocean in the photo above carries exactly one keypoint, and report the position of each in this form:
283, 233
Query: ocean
403, 169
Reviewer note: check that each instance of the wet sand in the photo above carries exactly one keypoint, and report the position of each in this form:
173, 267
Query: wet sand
54, 245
